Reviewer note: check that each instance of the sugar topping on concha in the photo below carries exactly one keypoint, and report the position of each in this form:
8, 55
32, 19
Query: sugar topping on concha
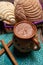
7, 12
28, 9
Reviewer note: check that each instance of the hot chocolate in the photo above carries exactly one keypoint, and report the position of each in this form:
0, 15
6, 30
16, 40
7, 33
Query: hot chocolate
24, 30
24, 36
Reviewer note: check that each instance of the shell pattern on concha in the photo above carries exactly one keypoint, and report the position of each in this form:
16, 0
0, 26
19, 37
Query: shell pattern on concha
28, 9
7, 12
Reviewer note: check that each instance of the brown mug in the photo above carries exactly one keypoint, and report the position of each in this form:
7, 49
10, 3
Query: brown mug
25, 36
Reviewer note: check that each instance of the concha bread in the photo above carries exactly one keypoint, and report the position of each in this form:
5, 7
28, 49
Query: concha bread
28, 9
7, 12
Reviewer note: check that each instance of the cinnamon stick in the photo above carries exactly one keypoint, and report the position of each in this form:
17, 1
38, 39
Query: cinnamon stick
3, 50
9, 53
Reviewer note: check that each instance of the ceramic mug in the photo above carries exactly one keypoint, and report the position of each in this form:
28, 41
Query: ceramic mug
25, 36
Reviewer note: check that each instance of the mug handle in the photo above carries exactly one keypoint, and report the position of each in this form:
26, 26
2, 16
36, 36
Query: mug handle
37, 47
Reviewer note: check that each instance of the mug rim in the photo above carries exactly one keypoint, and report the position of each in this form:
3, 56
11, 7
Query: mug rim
25, 21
